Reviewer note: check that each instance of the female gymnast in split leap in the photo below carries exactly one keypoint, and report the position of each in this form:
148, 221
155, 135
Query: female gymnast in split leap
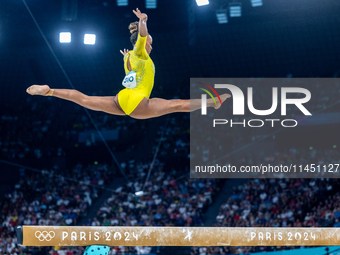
134, 99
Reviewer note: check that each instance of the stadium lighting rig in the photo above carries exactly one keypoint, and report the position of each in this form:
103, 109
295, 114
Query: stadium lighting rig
122, 2
90, 39
65, 37
202, 2
150, 4
256, 3
235, 10
222, 16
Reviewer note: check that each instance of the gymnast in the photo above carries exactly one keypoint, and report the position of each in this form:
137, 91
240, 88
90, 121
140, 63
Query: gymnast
134, 99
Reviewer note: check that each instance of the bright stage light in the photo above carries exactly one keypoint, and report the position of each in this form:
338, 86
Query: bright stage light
65, 37
122, 2
222, 17
235, 10
150, 4
256, 3
139, 193
89, 39
202, 2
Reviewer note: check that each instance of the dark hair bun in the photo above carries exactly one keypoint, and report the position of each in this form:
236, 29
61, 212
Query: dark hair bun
133, 27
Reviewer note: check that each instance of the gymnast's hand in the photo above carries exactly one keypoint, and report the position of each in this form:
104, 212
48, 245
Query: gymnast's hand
141, 16
124, 52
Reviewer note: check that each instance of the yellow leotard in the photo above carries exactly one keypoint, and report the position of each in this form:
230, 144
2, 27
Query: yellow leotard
142, 64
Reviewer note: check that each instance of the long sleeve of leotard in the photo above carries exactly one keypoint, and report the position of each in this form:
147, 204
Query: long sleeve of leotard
139, 48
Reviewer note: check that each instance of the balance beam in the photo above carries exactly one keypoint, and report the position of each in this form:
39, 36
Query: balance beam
175, 236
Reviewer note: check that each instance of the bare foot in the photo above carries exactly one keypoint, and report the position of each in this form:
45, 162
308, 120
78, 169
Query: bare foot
223, 98
211, 102
40, 90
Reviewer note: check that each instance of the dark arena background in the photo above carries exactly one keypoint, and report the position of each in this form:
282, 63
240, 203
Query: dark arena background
61, 165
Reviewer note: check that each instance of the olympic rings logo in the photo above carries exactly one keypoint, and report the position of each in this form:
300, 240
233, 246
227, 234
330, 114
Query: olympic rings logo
47, 236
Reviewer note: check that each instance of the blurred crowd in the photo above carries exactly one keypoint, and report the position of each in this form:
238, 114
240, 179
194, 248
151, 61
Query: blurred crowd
177, 136
281, 202
167, 200
44, 128
49, 198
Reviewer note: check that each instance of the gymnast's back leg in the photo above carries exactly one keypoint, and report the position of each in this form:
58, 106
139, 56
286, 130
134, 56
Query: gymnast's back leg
108, 104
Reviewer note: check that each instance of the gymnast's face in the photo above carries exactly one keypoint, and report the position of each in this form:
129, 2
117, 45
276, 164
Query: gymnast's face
148, 46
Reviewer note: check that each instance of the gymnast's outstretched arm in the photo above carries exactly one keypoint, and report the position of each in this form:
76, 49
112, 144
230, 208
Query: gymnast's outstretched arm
143, 30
